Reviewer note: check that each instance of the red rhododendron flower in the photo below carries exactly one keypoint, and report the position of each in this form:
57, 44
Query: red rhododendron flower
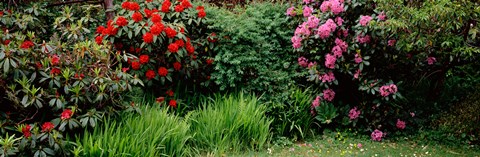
1, 13
209, 61
148, 37
137, 17
202, 13
38, 65
160, 99
182, 30
173, 47
126, 5
169, 92
171, 33
157, 28
166, 6
135, 65
148, 12
66, 114
144, 59
26, 131
150, 74
190, 48
173, 103
99, 39
162, 71
177, 66
110, 30
134, 6
180, 43
100, 29
54, 60
27, 44
125, 69
156, 18
47, 127
179, 8
6, 42
121, 21
200, 8
186, 4
55, 71
212, 38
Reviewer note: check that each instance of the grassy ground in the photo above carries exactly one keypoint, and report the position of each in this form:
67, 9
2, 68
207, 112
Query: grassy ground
331, 146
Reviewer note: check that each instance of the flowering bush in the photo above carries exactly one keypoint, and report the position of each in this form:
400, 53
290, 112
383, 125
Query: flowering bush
50, 89
164, 41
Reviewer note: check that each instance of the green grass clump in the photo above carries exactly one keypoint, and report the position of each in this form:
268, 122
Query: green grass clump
154, 133
230, 123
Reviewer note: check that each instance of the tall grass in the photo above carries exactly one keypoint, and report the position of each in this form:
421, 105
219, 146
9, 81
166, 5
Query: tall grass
155, 133
230, 123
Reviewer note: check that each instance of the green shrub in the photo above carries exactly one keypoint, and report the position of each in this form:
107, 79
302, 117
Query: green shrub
252, 51
230, 123
154, 133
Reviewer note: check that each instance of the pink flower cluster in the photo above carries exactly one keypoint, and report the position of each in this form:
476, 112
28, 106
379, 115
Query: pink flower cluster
354, 113
364, 20
400, 124
377, 135
303, 62
363, 39
357, 74
358, 58
291, 11
431, 60
386, 90
382, 16
313, 21
339, 21
307, 11
312, 64
336, 6
315, 104
391, 42
296, 42
326, 29
330, 61
327, 77
303, 29
328, 94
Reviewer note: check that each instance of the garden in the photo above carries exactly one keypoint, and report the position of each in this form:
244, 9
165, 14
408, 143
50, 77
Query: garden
239, 78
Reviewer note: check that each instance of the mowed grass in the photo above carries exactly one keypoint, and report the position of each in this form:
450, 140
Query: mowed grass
331, 146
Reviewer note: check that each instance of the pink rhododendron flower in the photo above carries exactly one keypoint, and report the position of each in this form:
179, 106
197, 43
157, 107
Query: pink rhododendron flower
328, 77
307, 11
339, 21
400, 124
342, 44
386, 90
364, 20
303, 29
363, 39
354, 113
325, 6
328, 94
336, 7
391, 42
382, 16
431, 60
315, 104
377, 135
358, 58
291, 11
337, 51
326, 29
357, 74
345, 32
330, 61
303, 62
297, 42
313, 21
312, 64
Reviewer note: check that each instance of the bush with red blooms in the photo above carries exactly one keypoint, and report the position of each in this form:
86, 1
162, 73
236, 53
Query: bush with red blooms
165, 37
52, 89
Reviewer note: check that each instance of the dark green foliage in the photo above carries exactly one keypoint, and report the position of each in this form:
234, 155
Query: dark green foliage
252, 52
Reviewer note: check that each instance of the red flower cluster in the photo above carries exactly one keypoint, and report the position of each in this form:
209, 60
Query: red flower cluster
121, 21
26, 131
166, 6
135, 65
173, 103
201, 12
179, 8
110, 30
148, 12
137, 17
212, 38
150, 74
144, 59
157, 28
27, 44
177, 66
169, 92
171, 33
186, 4
66, 114
209, 61
99, 39
55, 71
156, 18
133, 6
47, 127
100, 29
148, 37
180, 43
160, 99
54, 60
173, 48
6, 42
162, 71
189, 47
